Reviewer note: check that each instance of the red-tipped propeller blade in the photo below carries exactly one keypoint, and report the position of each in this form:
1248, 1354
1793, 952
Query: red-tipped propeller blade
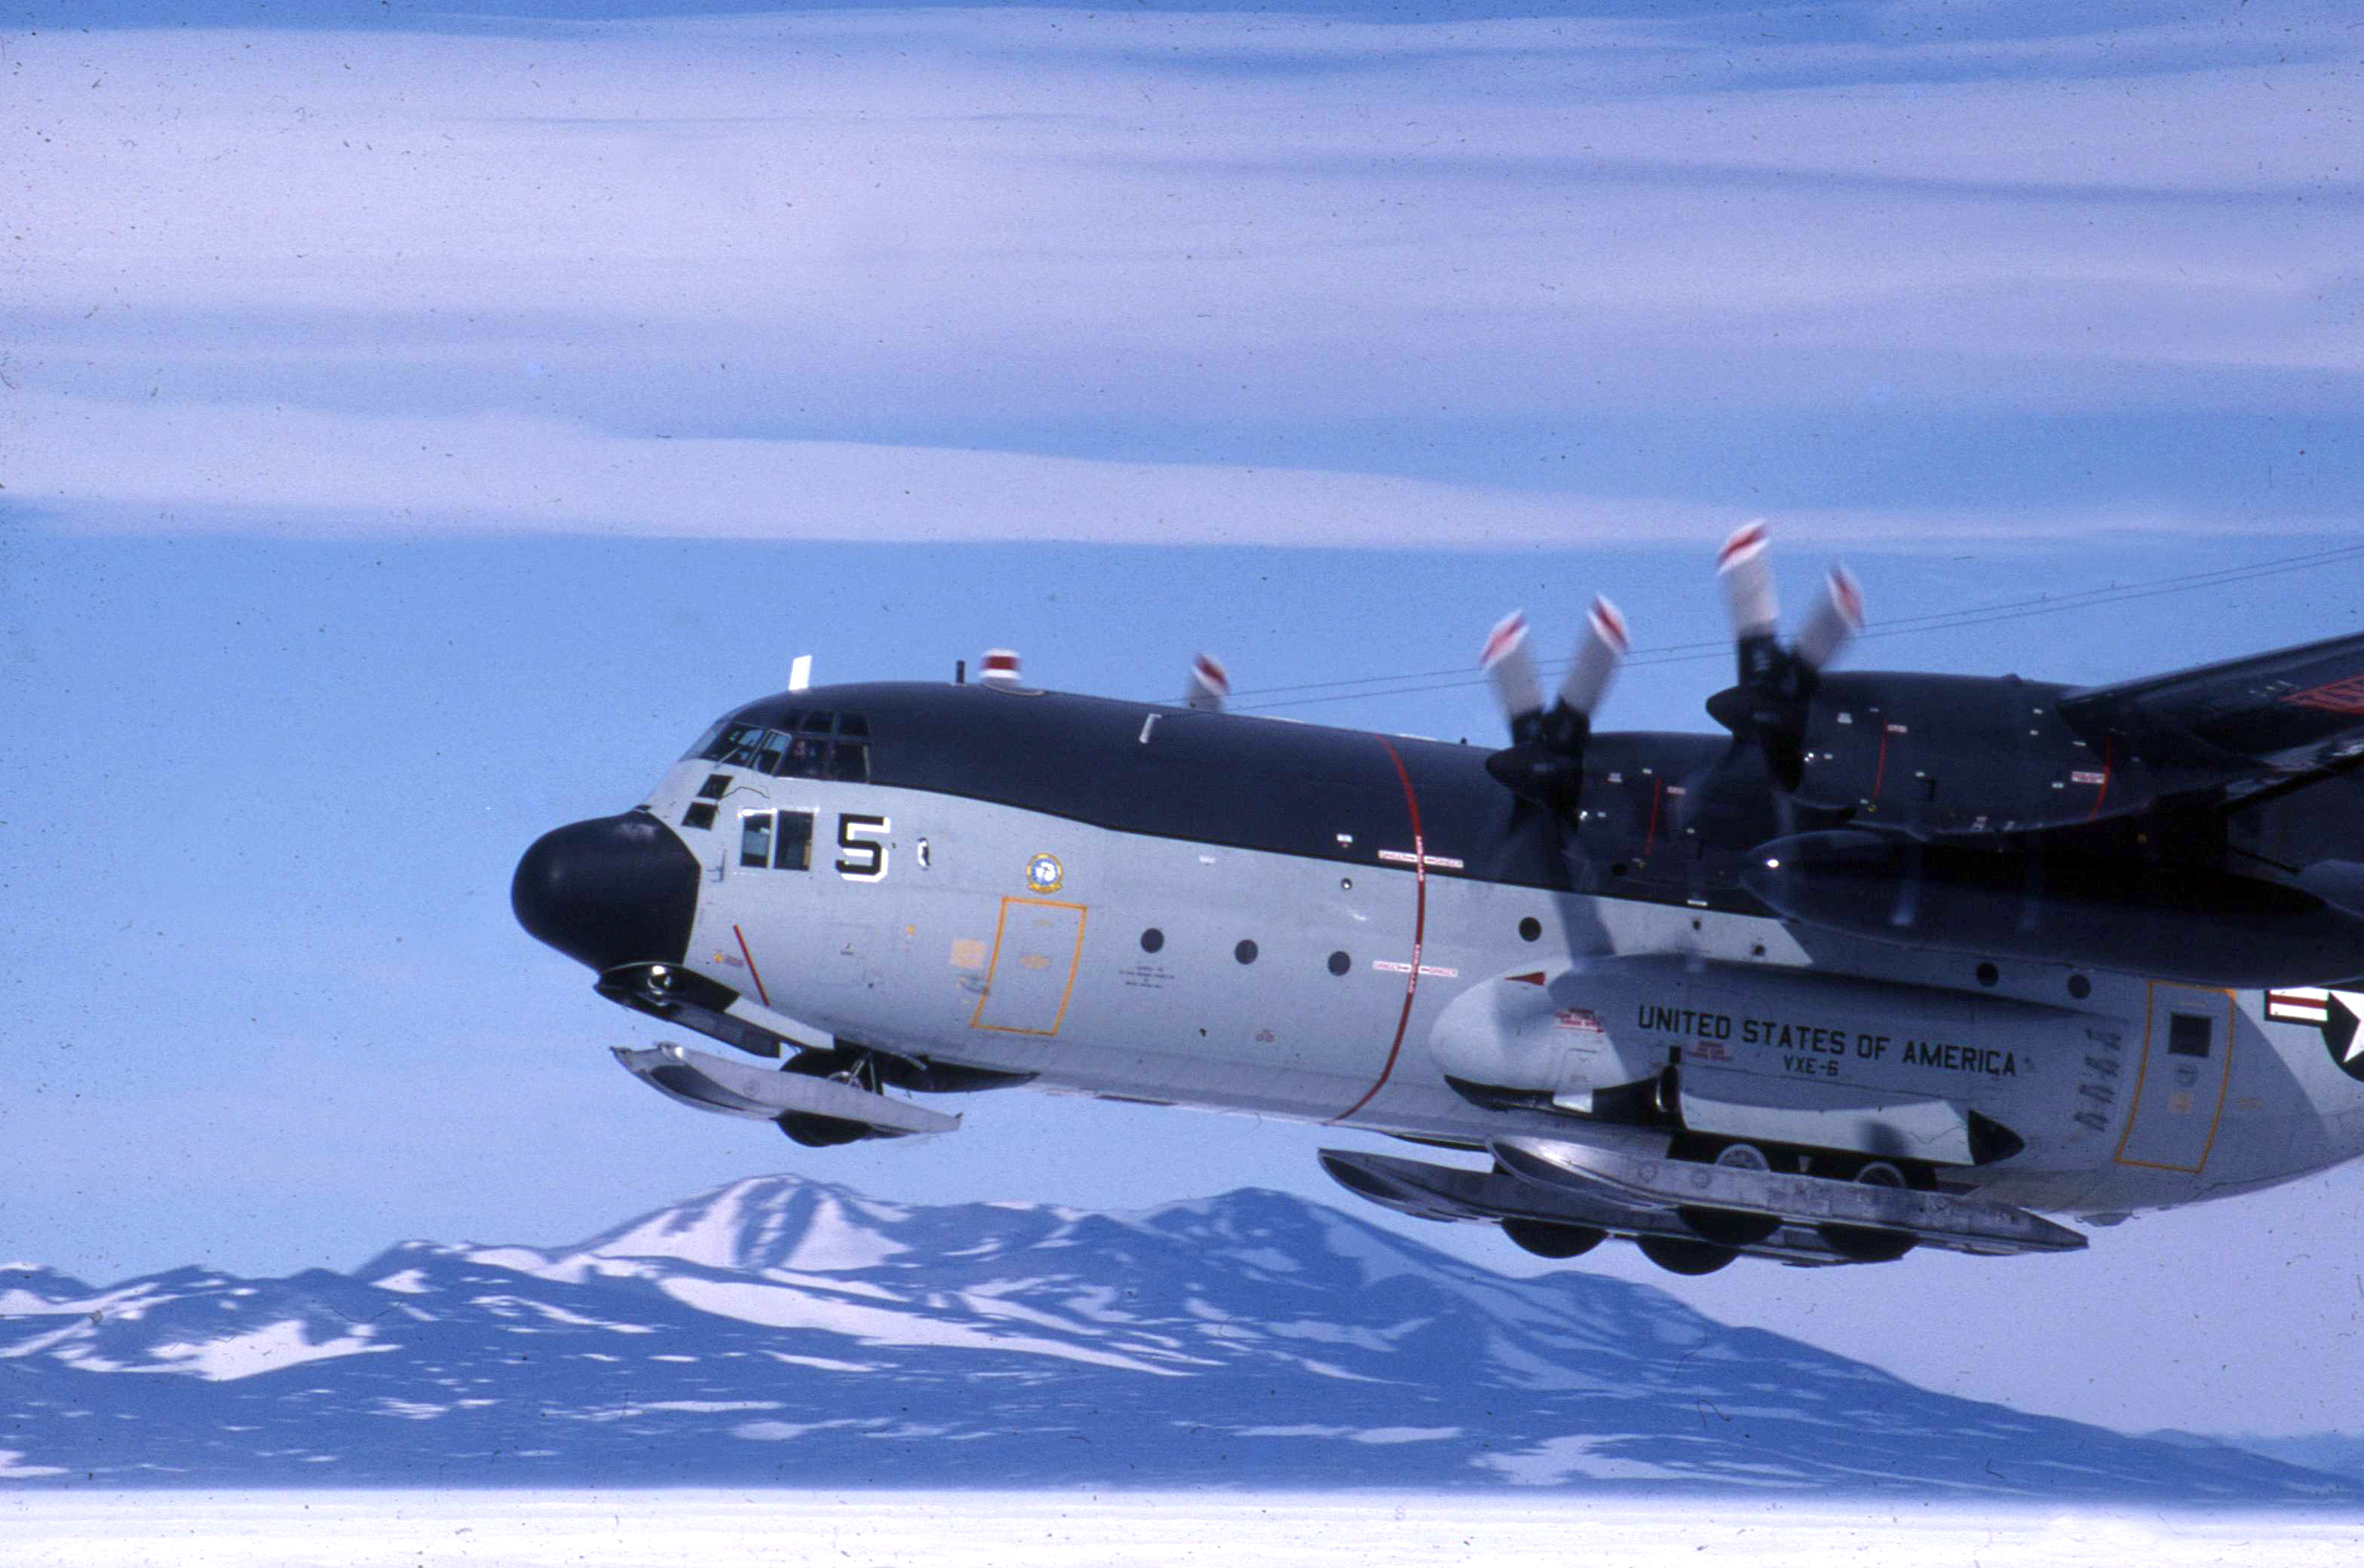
1596, 660
1835, 621
1210, 684
1747, 576
1512, 670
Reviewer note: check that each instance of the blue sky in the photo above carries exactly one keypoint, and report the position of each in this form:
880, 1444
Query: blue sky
412, 434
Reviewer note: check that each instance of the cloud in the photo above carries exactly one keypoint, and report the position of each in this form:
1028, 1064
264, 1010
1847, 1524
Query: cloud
299, 473
936, 230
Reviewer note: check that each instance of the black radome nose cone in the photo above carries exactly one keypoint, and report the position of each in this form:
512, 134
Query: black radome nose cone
612, 890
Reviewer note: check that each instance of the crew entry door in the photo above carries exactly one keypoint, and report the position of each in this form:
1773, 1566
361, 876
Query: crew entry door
1036, 947
2187, 1060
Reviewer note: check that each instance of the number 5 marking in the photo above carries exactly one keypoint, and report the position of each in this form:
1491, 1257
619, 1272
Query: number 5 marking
865, 859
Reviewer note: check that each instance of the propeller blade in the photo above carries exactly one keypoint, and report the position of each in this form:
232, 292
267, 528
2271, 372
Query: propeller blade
1544, 764
1747, 576
1595, 659
1512, 670
1835, 621
1210, 684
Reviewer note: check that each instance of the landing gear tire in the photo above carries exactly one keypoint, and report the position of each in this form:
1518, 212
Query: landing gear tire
1729, 1227
1866, 1243
840, 1066
1679, 1256
1732, 1226
1545, 1240
821, 1132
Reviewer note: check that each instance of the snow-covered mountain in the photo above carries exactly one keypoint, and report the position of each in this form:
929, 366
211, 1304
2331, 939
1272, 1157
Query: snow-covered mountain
779, 1330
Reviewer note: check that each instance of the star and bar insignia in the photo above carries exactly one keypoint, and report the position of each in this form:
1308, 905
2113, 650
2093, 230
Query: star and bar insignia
2335, 1013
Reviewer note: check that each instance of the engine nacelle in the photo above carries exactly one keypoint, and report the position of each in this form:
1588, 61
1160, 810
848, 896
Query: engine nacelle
1966, 754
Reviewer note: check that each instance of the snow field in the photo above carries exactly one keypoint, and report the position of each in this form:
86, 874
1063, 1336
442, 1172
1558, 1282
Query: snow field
1069, 1530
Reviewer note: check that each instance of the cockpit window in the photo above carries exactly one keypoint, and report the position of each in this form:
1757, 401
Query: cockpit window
817, 745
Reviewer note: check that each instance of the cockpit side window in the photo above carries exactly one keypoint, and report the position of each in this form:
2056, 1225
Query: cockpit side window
850, 760
806, 745
801, 757
820, 749
735, 747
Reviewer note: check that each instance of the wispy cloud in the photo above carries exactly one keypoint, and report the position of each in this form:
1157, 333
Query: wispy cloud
868, 234
307, 474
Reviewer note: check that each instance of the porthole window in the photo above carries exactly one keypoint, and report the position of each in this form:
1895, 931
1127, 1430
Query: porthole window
1530, 928
1339, 963
1246, 952
1988, 974
754, 838
792, 849
2080, 987
1152, 940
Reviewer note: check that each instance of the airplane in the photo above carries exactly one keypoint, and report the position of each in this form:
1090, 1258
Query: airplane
1896, 960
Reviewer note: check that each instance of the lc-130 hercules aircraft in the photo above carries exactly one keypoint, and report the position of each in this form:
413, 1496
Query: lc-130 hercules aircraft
1901, 959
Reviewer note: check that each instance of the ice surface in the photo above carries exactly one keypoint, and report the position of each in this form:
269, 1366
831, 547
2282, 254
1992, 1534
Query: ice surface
1079, 1529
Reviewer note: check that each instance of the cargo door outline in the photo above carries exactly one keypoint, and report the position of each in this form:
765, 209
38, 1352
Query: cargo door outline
2151, 1120
1023, 991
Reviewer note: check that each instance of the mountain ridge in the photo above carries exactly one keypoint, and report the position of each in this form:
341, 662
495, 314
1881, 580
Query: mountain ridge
780, 1329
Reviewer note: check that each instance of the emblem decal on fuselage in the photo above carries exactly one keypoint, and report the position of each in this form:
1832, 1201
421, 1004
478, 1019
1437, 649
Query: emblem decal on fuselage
1044, 874
2337, 1013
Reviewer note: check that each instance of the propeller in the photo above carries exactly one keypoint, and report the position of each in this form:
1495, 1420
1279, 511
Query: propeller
1544, 764
1210, 685
1769, 702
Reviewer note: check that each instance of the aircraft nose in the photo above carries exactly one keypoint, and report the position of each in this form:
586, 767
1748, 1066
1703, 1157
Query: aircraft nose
608, 891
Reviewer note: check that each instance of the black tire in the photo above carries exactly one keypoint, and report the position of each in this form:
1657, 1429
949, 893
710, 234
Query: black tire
1870, 1243
1864, 1244
821, 1132
1729, 1227
1678, 1256
1545, 1240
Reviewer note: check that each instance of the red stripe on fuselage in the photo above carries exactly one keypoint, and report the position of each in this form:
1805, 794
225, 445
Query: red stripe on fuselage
1419, 931
757, 973
2109, 762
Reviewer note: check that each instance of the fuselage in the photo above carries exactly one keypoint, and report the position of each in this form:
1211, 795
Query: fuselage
1215, 910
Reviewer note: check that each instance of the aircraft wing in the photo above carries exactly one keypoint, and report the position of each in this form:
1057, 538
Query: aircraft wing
2263, 719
